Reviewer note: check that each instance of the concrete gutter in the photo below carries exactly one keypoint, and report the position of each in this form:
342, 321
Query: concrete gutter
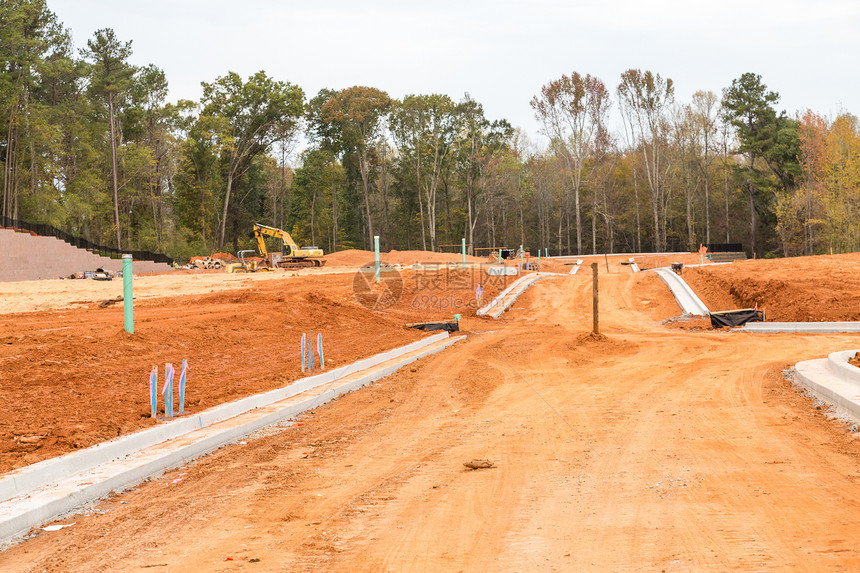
576, 267
507, 297
486, 308
833, 381
802, 327
44, 491
690, 304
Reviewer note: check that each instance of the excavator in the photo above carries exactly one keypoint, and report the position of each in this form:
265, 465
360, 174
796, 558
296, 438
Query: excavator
291, 256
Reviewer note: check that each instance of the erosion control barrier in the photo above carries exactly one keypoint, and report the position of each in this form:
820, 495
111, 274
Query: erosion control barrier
690, 304
117, 470
832, 380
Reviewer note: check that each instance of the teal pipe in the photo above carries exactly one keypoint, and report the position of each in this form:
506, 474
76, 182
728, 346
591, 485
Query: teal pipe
127, 302
464, 253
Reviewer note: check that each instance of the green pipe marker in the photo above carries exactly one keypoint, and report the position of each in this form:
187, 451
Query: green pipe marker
127, 302
546, 253
522, 255
464, 253
376, 251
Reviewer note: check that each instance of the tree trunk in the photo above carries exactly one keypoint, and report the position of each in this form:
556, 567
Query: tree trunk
363, 167
224, 212
707, 194
594, 221
334, 213
726, 193
114, 170
750, 189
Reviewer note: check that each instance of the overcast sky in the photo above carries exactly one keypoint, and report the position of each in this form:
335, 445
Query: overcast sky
501, 52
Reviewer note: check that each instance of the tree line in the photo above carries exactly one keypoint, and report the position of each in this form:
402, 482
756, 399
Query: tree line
90, 144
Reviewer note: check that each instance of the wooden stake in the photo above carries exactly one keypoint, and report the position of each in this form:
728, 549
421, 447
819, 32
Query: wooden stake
595, 328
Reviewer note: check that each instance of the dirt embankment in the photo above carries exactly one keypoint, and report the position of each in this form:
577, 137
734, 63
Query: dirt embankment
358, 257
72, 378
807, 289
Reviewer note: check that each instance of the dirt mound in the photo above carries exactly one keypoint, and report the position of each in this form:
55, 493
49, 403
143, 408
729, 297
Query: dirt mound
349, 258
412, 257
807, 289
357, 258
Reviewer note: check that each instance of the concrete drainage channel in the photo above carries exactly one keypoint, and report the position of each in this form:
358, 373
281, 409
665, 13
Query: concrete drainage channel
690, 304
833, 381
47, 490
693, 306
507, 297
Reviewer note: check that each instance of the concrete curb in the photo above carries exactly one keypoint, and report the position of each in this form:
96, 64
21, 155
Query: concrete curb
833, 381
486, 308
22, 480
508, 296
61, 496
690, 304
576, 267
801, 327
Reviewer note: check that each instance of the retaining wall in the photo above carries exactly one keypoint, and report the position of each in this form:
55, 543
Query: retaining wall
25, 257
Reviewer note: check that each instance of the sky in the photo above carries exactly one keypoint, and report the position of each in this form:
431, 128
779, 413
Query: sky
501, 52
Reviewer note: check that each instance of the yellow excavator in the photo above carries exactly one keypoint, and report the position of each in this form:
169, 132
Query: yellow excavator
291, 256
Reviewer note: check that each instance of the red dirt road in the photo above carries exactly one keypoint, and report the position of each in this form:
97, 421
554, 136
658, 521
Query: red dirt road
652, 449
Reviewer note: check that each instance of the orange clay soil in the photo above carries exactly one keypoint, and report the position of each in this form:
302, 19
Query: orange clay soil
357, 258
644, 449
73, 377
806, 289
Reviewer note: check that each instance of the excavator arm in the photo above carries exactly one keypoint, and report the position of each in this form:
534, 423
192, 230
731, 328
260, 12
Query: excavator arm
290, 246
292, 254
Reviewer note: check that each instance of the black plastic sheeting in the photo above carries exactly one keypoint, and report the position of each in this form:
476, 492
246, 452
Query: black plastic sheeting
733, 318
725, 247
429, 326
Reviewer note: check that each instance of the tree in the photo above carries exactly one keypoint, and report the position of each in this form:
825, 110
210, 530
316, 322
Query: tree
257, 111
813, 157
748, 106
482, 142
27, 31
408, 125
572, 110
357, 113
706, 110
427, 128
111, 76
645, 97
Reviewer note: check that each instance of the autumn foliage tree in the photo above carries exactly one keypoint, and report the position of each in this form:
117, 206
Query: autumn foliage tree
572, 110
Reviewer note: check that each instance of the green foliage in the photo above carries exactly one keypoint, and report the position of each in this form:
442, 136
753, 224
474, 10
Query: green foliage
420, 172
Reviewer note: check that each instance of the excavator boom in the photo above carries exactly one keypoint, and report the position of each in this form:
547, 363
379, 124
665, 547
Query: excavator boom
291, 254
